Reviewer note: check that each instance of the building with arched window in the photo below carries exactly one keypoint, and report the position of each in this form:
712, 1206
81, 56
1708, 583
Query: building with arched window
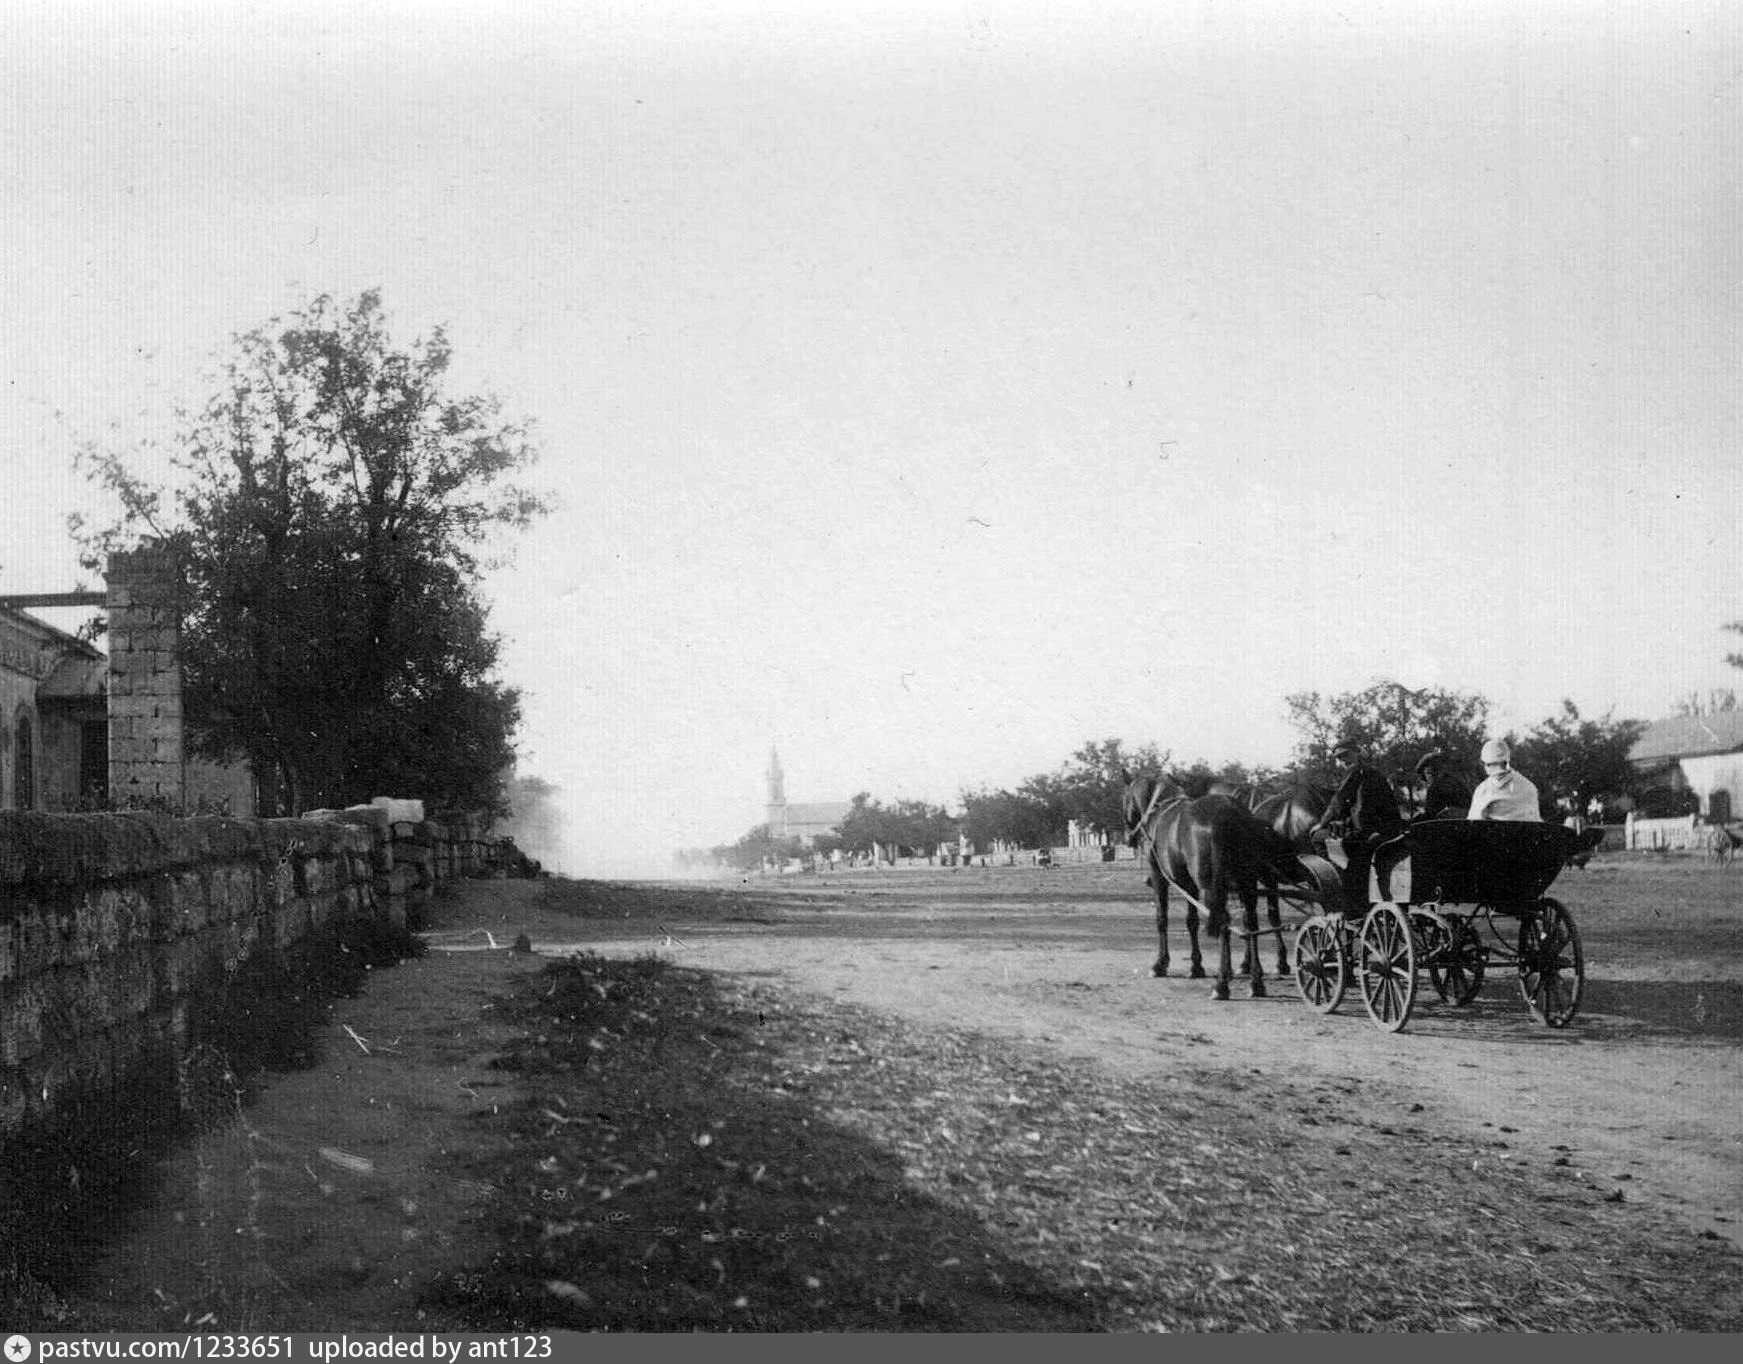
84, 729
54, 725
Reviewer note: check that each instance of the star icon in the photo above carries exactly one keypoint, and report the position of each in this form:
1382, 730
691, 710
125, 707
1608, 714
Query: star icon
16, 1349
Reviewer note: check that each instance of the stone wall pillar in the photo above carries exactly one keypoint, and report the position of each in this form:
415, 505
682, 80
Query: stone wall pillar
145, 679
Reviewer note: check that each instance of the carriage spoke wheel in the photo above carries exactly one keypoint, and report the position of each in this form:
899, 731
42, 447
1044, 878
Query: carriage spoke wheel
1319, 963
1552, 965
1386, 966
1458, 973
1433, 939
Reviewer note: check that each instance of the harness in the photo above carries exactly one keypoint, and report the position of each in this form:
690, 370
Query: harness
1143, 829
1153, 808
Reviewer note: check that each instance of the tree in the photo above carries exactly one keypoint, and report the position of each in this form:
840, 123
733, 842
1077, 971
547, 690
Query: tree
1091, 787
1716, 701
1394, 725
910, 825
1569, 756
757, 847
1088, 788
333, 512
1201, 777
990, 816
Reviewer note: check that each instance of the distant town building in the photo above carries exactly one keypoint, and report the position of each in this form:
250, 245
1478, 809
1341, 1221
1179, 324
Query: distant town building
85, 729
1701, 755
803, 822
54, 739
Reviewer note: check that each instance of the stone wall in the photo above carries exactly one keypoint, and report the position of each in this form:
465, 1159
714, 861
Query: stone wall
113, 925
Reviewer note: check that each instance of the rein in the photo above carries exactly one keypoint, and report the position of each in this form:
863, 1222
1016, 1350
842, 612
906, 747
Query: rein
1154, 808
1152, 811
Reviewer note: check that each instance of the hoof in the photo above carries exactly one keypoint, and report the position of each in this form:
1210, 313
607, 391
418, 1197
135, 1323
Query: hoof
1259, 991
1159, 971
1220, 990
1198, 973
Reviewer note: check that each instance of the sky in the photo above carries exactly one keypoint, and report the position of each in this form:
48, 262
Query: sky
929, 389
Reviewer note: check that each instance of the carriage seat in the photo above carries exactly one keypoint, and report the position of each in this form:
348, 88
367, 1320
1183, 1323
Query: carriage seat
1476, 861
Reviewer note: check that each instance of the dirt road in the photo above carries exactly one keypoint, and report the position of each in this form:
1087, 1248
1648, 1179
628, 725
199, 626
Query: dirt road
1642, 1106
348, 1190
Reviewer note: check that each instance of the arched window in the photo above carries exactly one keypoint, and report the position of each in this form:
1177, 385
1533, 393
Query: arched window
24, 765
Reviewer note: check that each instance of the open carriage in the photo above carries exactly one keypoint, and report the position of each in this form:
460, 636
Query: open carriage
1463, 895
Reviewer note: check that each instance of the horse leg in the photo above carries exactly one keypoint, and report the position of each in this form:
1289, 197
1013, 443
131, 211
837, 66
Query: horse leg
1225, 970
1275, 913
1250, 903
1197, 971
1161, 884
1247, 951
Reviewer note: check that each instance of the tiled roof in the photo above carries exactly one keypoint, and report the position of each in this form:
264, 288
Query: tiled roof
47, 634
1688, 736
826, 813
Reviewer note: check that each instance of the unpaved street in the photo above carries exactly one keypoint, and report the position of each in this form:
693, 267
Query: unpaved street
1643, 1107
348, 1191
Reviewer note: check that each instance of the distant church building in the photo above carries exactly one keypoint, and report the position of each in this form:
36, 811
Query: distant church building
803, 822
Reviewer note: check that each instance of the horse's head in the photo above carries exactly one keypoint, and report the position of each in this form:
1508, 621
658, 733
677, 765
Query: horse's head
1234, 790
1133, 803
1294, 811
1142, 796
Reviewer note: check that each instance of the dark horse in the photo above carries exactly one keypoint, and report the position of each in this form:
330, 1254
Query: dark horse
1207, 848
1292, 813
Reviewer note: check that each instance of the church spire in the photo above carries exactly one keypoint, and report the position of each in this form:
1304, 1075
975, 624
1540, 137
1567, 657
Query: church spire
777, 795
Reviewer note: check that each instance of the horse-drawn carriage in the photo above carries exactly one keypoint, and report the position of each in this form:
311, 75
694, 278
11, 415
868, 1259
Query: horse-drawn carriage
1457, 896
1468, 893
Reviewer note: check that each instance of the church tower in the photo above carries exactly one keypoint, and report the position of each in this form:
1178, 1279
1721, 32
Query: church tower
777, 796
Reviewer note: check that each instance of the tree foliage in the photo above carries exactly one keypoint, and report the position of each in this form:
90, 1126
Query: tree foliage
1394, 725
1569, 756
334, 508
1087, 788
912, 828
757, 847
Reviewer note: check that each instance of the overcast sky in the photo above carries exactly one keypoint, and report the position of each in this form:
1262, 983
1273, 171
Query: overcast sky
931, 388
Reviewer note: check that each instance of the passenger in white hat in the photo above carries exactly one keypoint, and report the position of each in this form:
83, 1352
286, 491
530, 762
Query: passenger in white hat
1504, 793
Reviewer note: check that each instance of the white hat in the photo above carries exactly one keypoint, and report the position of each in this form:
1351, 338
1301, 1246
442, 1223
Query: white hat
1496, 751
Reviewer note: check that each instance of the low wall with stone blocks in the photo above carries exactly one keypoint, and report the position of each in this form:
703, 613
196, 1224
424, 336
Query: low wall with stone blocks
112, 925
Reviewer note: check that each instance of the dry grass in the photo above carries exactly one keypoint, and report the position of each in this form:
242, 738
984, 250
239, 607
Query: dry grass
704, 1155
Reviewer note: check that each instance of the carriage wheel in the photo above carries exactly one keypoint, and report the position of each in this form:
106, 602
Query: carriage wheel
1458, 974
1552, 965
1433, 938
1386, 966
1319, 963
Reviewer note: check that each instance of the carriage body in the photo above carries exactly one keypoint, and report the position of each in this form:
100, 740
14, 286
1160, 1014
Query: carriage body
1502, 863
1450, 880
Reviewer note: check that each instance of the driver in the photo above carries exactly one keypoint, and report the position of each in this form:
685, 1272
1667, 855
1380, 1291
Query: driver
1445, 796
1365, 802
